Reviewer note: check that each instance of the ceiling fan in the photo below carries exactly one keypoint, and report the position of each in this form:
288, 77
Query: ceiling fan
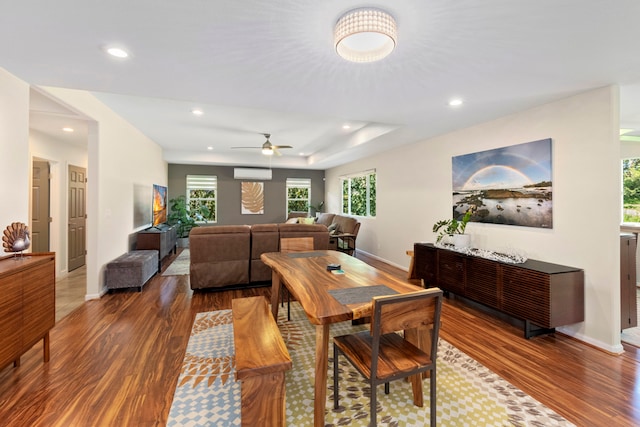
268, 149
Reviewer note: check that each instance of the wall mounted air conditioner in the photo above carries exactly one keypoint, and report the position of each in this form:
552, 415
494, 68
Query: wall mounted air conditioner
252, 173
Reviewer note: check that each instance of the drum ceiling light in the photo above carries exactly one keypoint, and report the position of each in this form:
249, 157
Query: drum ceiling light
365, 35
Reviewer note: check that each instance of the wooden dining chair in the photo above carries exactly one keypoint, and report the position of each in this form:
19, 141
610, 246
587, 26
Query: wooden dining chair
293, 244
382, 355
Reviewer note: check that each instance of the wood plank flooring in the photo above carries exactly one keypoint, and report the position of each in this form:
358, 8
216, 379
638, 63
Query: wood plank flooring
115, 361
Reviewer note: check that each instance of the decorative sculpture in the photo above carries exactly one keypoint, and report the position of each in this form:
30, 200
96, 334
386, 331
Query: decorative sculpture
16, 238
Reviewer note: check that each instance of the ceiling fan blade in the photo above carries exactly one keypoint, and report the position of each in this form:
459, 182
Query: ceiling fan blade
282, 146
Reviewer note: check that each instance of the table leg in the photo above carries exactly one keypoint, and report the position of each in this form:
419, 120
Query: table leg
322, 362
275, 294
421, 338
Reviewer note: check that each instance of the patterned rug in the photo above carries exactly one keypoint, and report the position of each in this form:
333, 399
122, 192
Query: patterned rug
179, 266
468, 393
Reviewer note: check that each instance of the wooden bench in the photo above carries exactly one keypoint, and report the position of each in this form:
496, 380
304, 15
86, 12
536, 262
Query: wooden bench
261, 361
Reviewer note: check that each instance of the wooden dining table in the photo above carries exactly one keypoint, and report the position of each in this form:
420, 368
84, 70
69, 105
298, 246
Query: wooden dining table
328, 298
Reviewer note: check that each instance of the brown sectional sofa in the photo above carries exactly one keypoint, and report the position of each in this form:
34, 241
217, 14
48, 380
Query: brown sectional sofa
343, 230
219, 255
227, 255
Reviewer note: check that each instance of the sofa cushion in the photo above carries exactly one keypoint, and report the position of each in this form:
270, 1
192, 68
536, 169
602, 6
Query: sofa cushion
325, 218
345, 224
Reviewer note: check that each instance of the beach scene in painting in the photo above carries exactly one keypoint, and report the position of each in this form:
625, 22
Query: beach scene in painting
510, 185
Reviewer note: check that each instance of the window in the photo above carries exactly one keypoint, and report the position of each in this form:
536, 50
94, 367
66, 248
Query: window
359, 194
202, 191
631, 190
298, 194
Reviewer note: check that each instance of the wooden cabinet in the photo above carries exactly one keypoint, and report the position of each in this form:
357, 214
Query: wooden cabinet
542, 294
161, 239
27, 305
628, 298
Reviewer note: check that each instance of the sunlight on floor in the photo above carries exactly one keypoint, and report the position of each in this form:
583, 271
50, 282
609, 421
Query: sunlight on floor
70, 292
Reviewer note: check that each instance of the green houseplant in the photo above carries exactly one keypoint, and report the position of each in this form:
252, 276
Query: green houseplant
450, 227
179, 215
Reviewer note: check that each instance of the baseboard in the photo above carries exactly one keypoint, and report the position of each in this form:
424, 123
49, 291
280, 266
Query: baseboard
386, 261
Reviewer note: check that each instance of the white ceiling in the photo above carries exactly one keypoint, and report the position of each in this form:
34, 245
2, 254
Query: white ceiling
258, 67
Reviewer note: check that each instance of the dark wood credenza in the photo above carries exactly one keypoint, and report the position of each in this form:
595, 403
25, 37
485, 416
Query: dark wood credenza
542, 294
162, 239
27, 305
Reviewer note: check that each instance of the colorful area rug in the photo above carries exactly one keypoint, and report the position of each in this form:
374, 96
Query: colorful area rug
468, 393
179, 266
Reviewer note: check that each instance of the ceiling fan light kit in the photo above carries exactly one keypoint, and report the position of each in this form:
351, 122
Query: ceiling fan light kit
365, 35
268, 149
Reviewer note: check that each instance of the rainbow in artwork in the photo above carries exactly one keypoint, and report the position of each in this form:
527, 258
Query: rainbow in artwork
510, 185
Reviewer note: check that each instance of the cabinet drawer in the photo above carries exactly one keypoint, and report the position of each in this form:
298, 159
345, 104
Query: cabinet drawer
526, 294
451, 275
482, 281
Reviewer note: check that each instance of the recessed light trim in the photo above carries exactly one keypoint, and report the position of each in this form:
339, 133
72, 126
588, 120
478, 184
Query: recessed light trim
67, 129
209, 148
456, 102
197, 112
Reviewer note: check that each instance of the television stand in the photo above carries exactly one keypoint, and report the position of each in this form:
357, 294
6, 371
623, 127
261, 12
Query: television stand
163, 240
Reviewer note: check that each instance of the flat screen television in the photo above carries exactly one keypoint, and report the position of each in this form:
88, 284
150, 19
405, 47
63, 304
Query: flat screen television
159, 204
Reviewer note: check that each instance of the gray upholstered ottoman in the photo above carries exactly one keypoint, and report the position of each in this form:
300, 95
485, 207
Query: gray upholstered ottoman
131, 270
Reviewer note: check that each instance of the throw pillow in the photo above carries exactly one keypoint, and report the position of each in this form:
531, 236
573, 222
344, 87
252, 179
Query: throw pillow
292, 221
332, 227
307, 220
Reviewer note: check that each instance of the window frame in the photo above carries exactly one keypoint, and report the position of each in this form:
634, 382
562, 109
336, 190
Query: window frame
202, 182
304, 183
370, 200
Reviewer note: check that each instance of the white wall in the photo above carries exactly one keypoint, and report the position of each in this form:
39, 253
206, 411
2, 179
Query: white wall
414, 191
60, 156
14, 150
120, 156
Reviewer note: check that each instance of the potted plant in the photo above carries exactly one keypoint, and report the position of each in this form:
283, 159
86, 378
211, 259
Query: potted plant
179, 216
455, 229
316, 209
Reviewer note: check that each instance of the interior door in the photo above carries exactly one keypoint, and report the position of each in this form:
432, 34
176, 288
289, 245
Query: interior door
40, 216
77, 217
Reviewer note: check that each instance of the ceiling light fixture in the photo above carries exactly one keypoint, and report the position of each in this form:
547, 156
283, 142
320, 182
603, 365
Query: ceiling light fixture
197, 112
67, 129
267, 151
117, 52
365, 35
455, 102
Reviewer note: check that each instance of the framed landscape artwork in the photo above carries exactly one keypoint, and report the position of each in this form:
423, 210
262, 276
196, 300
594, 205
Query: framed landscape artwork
510, 185
252, 198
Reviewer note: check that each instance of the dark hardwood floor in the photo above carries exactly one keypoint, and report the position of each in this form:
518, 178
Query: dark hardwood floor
115, 361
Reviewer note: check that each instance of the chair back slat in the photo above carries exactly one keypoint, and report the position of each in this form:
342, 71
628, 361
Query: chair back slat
296, 244
406, 311
413, 313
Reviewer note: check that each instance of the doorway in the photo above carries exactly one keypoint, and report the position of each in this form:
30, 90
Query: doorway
40, 207
77, 217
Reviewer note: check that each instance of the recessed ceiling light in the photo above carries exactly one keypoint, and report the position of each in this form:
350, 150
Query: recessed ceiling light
197, 112
346, 126
67, 129
455, 102
209, 148
117, 52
